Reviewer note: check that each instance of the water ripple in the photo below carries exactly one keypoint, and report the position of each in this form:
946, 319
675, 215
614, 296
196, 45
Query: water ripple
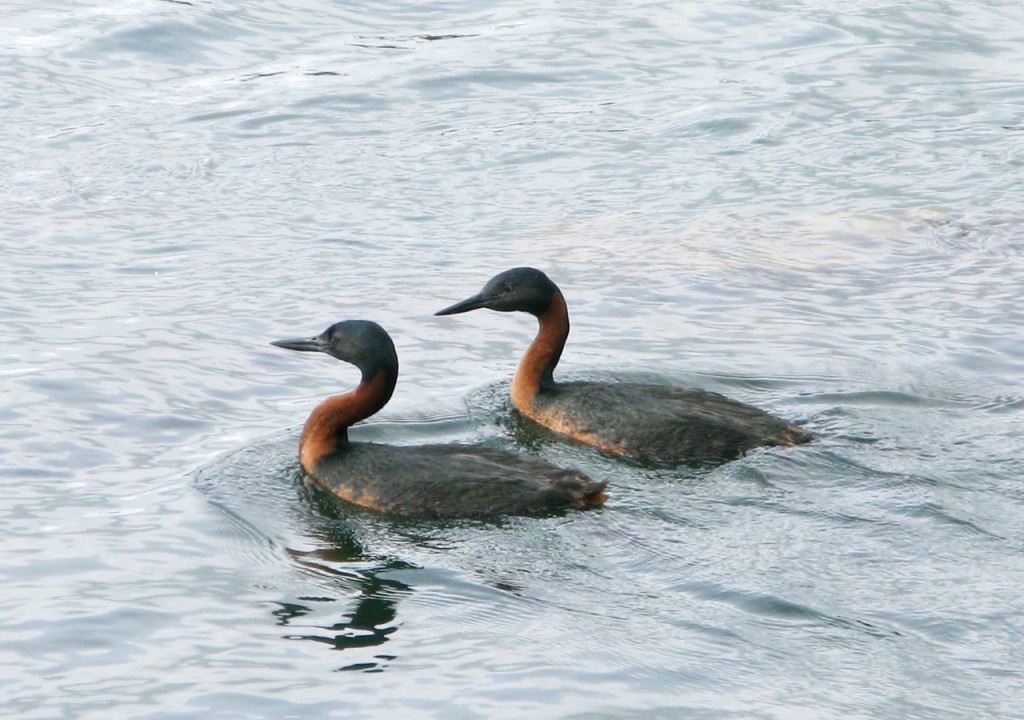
810, 209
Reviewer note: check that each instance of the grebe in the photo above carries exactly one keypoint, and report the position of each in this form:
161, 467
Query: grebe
425, 480
644, 422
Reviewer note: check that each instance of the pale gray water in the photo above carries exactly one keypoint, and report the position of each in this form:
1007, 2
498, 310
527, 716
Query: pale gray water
817, 211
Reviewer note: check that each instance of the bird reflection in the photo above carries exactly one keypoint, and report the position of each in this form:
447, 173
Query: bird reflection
360, 579
371, 621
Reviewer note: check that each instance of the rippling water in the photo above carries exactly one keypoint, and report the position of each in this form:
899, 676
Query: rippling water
813, 210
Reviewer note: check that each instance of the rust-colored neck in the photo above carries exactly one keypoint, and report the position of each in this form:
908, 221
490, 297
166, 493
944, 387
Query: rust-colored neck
537, 367
328, 424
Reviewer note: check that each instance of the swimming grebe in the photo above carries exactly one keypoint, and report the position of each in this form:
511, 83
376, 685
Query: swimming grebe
645, 422
425, 480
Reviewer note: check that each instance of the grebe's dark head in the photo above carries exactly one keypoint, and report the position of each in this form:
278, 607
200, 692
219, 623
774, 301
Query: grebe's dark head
362, 343
522, 289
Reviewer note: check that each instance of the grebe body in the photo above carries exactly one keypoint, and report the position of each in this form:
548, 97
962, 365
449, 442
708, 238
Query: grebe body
417, 481
645, 422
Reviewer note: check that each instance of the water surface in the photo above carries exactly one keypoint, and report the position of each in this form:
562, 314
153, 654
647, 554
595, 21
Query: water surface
812, 210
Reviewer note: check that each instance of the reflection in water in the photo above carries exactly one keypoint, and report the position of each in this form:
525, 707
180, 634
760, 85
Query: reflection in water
368, 624
373, 619
263, 492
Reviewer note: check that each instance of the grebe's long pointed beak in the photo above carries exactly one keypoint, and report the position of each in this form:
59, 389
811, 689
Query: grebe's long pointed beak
313, 344
471, 303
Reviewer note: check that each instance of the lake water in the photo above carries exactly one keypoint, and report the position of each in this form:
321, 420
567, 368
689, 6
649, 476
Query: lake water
816, 211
